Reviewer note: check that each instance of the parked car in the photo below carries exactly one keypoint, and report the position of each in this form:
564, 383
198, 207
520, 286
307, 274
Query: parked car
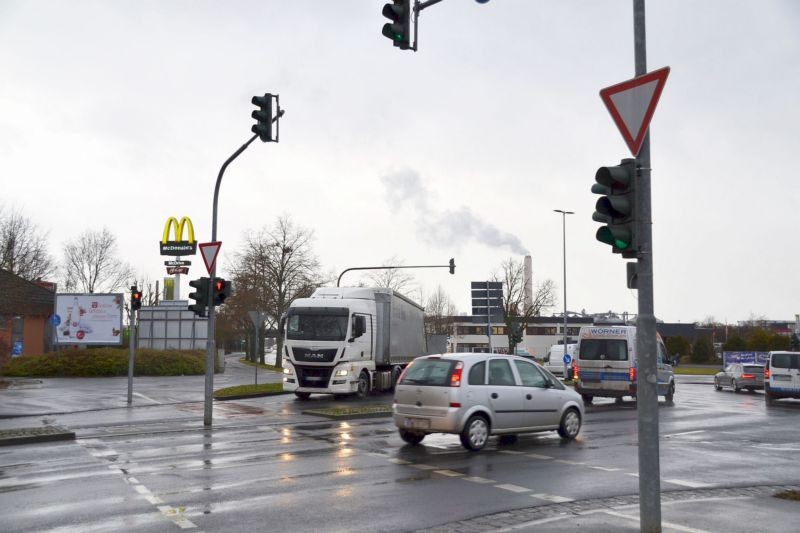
476, 395
740, 376
782, 376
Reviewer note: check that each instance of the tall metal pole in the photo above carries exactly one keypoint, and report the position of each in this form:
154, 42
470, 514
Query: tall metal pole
564, 233
647, 394
211, 340
489, 319
131, 352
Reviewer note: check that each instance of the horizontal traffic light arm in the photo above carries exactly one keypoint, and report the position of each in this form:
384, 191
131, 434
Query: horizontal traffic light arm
451, 266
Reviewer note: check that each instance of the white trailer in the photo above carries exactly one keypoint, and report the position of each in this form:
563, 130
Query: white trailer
350, 340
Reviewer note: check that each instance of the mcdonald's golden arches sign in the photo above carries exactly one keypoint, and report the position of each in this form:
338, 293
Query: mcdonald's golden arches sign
178, 246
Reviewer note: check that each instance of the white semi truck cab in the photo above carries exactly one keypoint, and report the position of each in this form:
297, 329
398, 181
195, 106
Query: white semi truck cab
350, 340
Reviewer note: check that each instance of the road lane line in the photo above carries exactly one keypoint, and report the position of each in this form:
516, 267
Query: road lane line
539, 456
513, 488
146, 398
511, 452
551, 498
478, 479
690, 484
605, 469
448, 473
399, 461
685, 433
423, 466
566, 462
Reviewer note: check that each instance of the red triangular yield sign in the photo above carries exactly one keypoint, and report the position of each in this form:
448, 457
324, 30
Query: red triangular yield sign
632, 104
209, 251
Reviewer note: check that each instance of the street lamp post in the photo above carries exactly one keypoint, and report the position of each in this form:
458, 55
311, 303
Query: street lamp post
564, 233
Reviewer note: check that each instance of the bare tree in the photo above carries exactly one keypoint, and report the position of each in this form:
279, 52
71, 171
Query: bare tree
23, 248
515, 314
275, 267
439, 313
91, 264
394, 278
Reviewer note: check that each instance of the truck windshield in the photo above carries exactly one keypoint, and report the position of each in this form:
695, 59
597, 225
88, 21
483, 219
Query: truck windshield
604, 349
317, 325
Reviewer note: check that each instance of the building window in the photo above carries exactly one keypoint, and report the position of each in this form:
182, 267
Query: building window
541, 330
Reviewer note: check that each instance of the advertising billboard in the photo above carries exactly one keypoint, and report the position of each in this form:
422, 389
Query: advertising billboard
88, 318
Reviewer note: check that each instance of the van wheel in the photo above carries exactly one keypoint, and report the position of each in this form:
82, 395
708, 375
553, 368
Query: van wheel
587, 398
736, 388
302, 396
768, 397
475, 433
411, 437
363, 385
570, 424
618, 400
670, 397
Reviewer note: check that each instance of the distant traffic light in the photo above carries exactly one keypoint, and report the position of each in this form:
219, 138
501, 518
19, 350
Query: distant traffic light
200, 296
399, 30
136, 298
617, 208
516, 333
452, 266
222, 289
264, 117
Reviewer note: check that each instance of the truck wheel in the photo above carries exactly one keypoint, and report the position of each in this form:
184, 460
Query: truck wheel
396, 371
411, 437
475, 433
587, 398
302, 396
363, 385
570, 424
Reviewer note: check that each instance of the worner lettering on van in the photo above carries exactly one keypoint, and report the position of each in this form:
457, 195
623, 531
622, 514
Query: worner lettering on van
607, 332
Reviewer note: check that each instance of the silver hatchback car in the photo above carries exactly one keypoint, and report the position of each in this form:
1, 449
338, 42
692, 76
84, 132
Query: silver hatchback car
476, 395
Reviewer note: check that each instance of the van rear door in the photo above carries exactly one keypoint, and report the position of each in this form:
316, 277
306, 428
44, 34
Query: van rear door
604, 364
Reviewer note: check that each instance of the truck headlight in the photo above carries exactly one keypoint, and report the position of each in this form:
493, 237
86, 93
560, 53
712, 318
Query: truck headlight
287, 370
342, 372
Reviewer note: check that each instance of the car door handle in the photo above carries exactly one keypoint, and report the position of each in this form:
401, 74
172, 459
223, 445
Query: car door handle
494, 395
528, 397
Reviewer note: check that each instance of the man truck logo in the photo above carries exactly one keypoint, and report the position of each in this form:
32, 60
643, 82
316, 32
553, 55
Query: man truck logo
178, 246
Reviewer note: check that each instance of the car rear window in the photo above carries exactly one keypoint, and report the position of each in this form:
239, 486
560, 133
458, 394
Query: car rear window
753, 369
432, 372
604, 349
786, 360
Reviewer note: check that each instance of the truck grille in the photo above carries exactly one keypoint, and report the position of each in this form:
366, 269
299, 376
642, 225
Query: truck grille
304, 355
311, 376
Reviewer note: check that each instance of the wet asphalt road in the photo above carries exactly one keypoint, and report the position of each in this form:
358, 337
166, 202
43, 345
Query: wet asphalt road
266, 467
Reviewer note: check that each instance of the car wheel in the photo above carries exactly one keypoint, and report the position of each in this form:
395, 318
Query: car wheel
475, 433
411, 437
570, 424
587, 398
618, 400
736, 388
717, 386
303, 396
363, 385
751, 389
670, 393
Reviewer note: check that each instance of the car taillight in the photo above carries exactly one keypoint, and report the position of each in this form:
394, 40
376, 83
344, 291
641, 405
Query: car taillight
748, 376
632, 373
455, 404
766, 372
576, 370
455, 377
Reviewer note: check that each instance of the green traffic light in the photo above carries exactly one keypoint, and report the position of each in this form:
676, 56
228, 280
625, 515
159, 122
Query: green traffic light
621, 240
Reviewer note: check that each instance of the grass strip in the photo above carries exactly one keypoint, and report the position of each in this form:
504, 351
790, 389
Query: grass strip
361, 411
694, 371
241, 391
793, 495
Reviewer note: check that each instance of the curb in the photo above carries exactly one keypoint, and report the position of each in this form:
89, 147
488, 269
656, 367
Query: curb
346, 416
11, 437
251, 395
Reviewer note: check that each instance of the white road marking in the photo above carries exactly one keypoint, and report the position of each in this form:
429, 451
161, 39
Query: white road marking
685, 433
139, 394
604, 469
513, 488
631, 474
690, 484
538, 456
566, 462
399, 461
478, 479
448, 473
551, 498
511, 452
423, 466
663, 524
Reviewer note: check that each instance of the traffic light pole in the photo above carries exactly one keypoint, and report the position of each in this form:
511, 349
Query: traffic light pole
131, 352
647, 379
211, 347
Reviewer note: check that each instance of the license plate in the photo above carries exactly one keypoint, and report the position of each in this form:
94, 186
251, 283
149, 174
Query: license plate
417, 423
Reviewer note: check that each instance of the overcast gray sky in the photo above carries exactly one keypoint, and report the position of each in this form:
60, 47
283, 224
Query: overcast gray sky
461, 150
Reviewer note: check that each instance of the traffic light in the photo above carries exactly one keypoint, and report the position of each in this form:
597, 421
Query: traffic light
452, 266
222, 289
617, 207
136, 298
200, 295
264, 117
516, 333
399, 30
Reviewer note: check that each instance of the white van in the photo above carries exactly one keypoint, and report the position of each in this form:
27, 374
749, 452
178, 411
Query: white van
782, 376
606, 364
554, 359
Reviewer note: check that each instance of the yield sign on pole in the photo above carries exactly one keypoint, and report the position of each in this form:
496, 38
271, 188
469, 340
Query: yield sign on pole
632, 104
209, 251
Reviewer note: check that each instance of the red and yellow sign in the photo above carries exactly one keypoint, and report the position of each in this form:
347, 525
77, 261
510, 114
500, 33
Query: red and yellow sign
178, 246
